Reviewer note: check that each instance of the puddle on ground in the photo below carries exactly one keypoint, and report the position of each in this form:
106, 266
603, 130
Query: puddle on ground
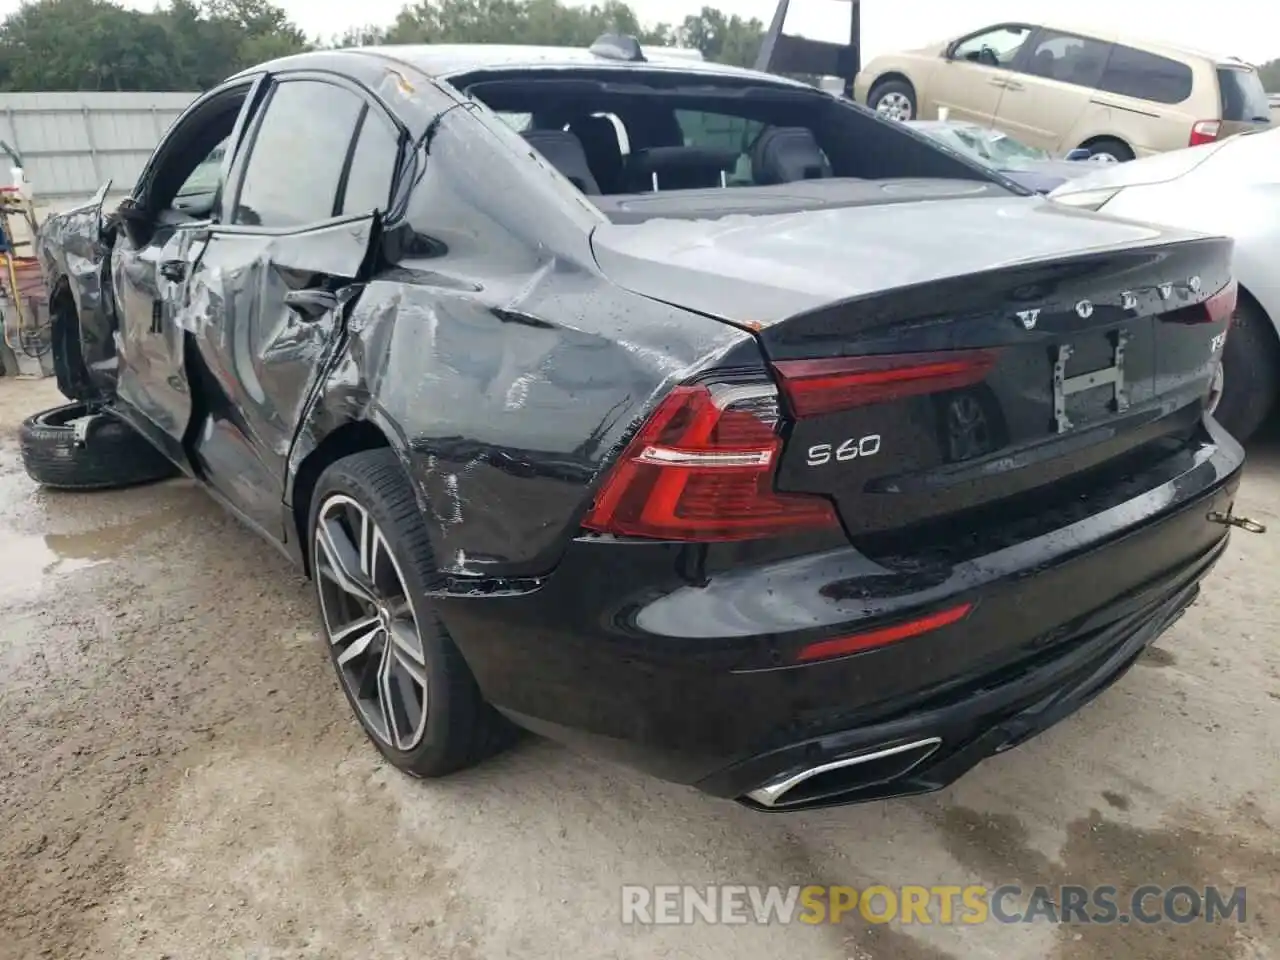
28, 562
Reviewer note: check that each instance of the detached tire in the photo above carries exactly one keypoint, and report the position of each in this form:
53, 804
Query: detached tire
114, 454
1250, 372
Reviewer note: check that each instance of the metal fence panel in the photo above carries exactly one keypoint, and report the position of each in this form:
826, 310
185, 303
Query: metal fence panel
71, 142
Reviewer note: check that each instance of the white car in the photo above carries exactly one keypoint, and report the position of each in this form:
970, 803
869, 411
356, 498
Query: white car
1229, 188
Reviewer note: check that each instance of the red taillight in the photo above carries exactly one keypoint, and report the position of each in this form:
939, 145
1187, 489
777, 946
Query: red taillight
1222, 305
815, 387
1219, 308
843, 646
701, 468
1205, 131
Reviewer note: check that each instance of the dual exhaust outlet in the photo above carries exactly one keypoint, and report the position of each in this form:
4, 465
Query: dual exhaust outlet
846, 775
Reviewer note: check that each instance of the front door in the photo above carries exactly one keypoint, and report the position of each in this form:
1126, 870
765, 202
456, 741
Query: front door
266, 298
161, 233
971, 81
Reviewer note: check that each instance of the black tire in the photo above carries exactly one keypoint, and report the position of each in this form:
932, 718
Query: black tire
113, 456
460, 728
1109, 146
1250, 372
885, 88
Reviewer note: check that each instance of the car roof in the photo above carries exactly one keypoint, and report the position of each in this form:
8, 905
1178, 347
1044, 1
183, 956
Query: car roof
445, 60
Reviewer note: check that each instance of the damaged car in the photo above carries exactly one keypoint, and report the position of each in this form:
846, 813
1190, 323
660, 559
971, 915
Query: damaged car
684, 414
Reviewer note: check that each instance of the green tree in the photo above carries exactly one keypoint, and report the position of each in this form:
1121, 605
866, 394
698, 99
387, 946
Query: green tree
98, 45
724, 39
83, 45
195, 44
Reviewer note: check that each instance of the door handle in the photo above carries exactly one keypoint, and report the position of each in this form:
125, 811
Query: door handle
175, 270
311, 303
997, 82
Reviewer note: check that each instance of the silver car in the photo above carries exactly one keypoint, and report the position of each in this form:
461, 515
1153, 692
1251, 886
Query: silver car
1229, 188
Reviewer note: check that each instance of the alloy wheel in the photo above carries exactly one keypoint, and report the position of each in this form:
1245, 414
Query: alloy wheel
370, 623
895, 106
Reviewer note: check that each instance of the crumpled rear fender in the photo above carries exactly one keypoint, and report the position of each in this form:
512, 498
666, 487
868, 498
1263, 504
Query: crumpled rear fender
504, 416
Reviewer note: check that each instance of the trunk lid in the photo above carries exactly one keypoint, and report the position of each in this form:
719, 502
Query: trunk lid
941, 359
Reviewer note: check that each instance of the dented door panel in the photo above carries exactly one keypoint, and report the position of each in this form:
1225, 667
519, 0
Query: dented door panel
149, 343
258, 357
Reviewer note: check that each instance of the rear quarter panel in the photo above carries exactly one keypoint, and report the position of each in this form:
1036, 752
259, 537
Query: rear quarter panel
503, 369
1146, 126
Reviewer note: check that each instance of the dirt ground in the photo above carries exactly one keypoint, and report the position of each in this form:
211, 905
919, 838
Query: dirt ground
180, 778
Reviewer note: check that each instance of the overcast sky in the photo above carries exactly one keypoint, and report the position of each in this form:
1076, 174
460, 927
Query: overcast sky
1249, 29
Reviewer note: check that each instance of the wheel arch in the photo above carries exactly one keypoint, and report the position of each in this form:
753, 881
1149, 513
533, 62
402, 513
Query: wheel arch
64, 333
351, 437
1248, 295
1098, 138
889, 76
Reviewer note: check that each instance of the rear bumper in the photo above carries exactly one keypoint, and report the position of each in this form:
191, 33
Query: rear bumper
964, 730
667, 658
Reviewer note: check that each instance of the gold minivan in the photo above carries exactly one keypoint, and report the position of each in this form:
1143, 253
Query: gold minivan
1061, 89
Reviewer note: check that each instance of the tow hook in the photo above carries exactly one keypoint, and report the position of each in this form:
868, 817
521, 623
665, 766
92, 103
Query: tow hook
1229, 519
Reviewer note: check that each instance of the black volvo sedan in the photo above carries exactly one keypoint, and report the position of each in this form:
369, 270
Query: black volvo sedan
681, 413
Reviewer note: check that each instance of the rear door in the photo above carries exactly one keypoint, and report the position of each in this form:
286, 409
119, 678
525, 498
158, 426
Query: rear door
976, 72
266, 298
1054, 78
1150, 101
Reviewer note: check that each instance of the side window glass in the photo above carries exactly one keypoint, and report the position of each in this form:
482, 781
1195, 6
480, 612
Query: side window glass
993, 48
1068, 59
1133, 73
297, 157
373, 165
207, 175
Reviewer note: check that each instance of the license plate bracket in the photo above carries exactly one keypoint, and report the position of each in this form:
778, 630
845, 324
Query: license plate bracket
1113, 375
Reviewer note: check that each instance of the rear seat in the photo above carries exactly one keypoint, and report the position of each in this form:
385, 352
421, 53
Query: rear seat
564, 152
788, 154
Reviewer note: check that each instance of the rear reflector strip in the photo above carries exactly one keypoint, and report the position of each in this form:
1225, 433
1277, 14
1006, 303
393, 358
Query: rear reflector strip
816, 387
858, 642
1219, 308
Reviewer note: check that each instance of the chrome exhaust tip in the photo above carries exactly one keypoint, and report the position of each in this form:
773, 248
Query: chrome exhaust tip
893, 762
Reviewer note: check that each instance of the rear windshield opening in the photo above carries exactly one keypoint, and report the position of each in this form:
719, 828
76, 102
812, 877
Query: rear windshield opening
652, 137
1243, 98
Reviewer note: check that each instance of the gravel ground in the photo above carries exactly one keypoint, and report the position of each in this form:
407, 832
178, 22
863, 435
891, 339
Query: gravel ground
180, 777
